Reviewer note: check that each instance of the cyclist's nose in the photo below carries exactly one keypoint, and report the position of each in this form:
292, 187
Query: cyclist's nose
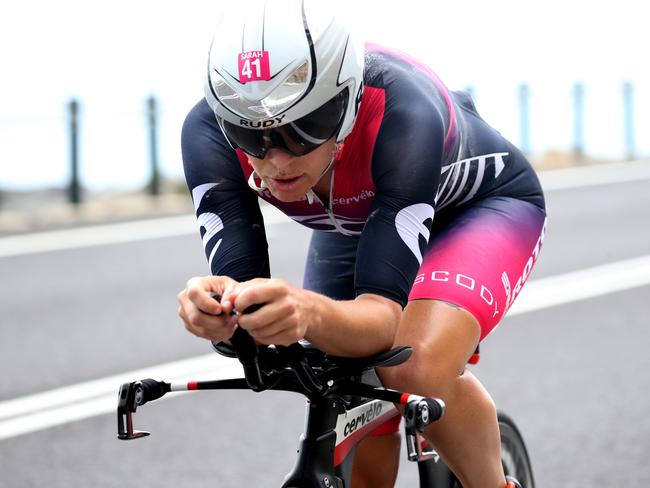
279, 158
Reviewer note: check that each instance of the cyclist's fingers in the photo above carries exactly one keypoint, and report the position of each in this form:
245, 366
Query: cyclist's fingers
198, 292
233, 289
189, 312
269, 313
272, 320
279, 333
259, 291
210, 333
229, 294
207, 326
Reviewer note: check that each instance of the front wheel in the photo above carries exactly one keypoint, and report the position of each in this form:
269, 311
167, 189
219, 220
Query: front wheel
514, 455
514, 458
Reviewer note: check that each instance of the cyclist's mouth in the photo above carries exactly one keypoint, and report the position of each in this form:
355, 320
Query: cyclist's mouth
287, 184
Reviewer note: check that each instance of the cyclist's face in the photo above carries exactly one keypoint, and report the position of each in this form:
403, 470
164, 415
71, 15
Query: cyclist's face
289, 177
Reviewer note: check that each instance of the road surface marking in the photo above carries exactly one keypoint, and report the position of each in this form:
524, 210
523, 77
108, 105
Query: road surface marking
117, 233
595, 175
83, 400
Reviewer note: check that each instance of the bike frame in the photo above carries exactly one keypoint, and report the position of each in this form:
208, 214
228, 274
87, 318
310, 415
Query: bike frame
323, 455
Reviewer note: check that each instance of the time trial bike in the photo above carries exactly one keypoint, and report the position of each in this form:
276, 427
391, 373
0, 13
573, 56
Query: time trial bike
345, 403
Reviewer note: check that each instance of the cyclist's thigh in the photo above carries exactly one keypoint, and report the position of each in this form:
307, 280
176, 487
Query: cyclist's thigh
479, 257
329, 269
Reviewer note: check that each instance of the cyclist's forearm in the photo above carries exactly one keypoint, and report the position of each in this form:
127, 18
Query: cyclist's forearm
358, 327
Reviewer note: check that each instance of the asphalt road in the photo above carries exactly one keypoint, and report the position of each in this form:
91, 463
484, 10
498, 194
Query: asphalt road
575, 377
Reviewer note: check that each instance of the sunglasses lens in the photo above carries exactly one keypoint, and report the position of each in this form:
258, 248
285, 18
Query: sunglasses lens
298, 137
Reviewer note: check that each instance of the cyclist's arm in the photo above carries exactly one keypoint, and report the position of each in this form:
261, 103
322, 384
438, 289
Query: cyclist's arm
406, 170
230, 221
358, 327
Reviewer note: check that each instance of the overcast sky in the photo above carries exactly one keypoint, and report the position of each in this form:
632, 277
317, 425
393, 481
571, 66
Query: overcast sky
113, 54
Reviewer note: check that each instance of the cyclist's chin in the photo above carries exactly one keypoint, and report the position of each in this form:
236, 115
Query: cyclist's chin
288, 197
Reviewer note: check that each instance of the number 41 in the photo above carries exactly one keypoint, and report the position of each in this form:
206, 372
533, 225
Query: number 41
248, 72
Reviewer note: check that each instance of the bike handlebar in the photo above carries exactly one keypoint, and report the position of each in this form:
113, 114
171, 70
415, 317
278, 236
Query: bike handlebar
290, 368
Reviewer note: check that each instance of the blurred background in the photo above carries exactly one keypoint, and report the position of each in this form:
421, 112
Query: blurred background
92, 99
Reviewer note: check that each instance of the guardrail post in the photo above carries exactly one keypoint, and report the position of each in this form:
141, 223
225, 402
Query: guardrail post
471, 92
628, 119
578, 127
524, 118
74, 186
152, 119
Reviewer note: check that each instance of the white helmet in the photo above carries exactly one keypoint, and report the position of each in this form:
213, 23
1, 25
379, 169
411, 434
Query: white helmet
283, 73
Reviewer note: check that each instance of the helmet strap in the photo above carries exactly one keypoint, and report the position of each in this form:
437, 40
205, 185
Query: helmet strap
336, 154
253, 185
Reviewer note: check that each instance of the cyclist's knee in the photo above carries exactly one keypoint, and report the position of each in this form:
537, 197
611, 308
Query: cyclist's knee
443, 338
421, 377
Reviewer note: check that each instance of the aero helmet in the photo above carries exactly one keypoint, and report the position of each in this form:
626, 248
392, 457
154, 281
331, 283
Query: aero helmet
283, 73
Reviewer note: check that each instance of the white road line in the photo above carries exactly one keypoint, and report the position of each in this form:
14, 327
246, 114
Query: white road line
76, 402
98, 235
186, 224
582, 284
594, 175
56, 407
58, 240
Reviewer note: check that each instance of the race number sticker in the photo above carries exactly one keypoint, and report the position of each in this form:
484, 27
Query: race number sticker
254, 66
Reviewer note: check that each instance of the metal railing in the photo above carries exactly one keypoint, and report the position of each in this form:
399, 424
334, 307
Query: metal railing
75, 129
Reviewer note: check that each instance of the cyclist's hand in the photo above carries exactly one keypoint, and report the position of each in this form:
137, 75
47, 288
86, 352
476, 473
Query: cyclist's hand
284, 317
201, 314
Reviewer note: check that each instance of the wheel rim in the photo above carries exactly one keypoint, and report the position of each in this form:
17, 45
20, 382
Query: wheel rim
514, 457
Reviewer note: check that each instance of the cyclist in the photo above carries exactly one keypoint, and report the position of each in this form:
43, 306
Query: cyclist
427, 222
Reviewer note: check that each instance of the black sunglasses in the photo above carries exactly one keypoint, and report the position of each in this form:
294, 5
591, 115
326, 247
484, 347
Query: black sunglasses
298, 137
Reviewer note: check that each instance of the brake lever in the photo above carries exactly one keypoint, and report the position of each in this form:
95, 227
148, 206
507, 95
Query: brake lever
130, 397
126, 407
418, 414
